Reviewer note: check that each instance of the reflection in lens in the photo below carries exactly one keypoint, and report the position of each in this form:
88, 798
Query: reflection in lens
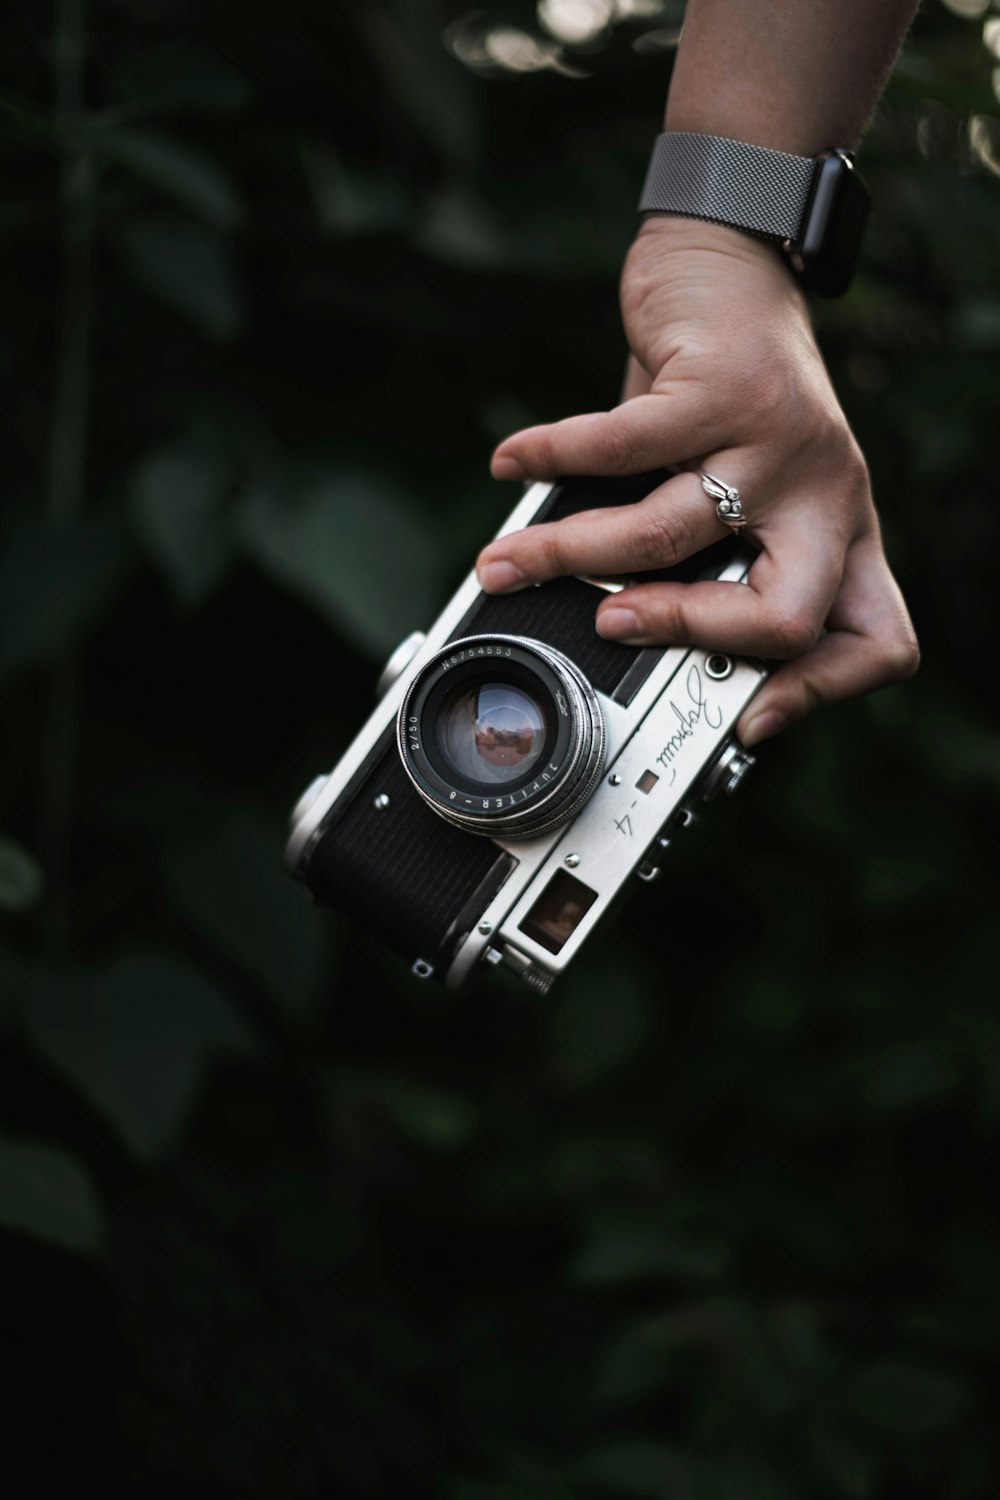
492, 733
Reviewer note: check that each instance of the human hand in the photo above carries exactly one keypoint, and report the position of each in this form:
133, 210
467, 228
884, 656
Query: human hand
725, 375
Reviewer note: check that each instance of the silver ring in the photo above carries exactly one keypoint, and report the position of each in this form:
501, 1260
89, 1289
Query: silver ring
729, 508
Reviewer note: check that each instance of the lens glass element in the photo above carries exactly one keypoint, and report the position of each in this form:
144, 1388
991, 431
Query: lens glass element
492, 733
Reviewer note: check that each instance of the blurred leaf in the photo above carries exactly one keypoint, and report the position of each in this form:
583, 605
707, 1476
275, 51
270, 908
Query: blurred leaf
54, 581
517, 1486
744, 1475
457, 229
348, 543
347, 201
842, 1466
641, 1359
774, 1003
135, 1035
909, 1397
230, 885
977, 323
177, 496
44, 1192
795, 1332
640, 1466
21, 879
529, 1475
959, 1318
906, 1076
178, 76
961, 753
423, 78
905, 878
598, 1023
189, 268
944, 75
626, 1247
182, 173
24, 117
480, 1489
434, 1118
315, 1236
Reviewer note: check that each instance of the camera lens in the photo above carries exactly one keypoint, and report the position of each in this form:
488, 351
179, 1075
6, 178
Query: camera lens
492, 732
502, 735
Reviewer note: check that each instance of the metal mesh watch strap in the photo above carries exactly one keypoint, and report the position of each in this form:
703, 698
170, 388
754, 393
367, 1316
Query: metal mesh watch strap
753, 188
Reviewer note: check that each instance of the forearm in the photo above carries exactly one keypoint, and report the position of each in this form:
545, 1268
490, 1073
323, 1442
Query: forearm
796, 75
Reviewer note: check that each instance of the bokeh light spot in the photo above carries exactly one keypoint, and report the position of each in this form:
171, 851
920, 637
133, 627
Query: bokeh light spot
575, 21
970, 9
984, 139
510, 48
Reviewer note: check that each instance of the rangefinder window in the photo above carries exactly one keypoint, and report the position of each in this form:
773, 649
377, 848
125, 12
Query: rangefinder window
558, 912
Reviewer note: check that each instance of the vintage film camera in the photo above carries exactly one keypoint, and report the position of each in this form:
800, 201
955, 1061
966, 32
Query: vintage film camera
519, 770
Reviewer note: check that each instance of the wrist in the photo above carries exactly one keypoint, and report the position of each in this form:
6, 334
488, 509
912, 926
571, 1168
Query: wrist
675, 232
695, 284
695, 252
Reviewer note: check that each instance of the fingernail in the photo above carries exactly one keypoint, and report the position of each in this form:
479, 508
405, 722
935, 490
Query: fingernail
617, 624
501, 578
506, 468
761, 726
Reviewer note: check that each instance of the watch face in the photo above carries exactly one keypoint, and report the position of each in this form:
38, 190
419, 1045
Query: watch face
830, 240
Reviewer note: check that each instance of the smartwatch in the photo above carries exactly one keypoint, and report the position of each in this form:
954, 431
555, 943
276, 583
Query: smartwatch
814, 208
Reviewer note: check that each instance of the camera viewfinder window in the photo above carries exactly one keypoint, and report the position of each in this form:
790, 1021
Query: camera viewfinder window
557, 913
647, 781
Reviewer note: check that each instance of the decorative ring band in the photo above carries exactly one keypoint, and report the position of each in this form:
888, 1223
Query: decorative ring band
729, 506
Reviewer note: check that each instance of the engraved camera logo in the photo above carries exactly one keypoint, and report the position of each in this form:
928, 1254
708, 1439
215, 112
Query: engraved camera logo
689, 719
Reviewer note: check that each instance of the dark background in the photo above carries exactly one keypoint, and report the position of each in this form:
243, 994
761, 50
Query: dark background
714, 1221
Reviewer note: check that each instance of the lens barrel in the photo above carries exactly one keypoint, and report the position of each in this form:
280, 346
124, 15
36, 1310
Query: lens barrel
502, 736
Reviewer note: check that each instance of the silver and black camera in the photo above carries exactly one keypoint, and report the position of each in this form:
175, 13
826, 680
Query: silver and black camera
519, 770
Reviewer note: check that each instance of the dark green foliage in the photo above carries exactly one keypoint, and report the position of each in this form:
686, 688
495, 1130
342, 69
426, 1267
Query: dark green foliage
276, 1220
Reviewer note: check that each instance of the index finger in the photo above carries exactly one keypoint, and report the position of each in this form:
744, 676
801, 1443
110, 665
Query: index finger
668, 525
646, 432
